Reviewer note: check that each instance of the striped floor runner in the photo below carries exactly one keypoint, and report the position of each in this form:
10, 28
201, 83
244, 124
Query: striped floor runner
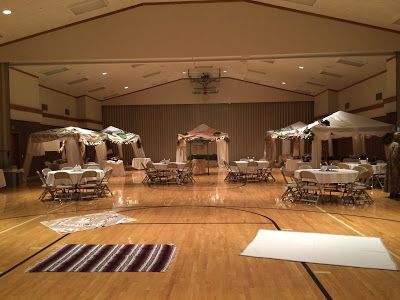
108, 258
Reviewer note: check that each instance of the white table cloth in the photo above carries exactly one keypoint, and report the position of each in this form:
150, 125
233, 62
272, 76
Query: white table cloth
75, 175
242, 165
117, 166
2, 179
137, 163
333, 176
292, 164
379, 168
163, 166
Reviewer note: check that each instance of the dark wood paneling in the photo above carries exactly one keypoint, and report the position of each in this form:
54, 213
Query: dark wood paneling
246, 123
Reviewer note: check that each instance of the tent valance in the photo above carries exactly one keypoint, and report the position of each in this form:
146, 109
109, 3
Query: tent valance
203, 133
120, 136
86, 136
343, 124
286, 132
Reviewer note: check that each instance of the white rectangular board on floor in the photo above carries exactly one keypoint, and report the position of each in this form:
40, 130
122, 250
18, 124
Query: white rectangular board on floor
332, 249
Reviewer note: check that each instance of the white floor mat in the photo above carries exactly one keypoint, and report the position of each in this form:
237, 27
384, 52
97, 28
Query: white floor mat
86, 222
342, 250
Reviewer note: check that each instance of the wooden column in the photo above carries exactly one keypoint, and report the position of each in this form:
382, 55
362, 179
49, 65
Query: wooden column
5, 130
398, 89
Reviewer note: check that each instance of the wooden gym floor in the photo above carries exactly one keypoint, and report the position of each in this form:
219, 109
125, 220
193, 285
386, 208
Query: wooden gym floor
210, 222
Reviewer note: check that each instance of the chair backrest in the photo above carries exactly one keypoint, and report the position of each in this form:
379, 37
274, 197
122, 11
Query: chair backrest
335, 162
343, 166
308, 175
368, 167
61, 175
41, 177
172, 165
349, 159
67, 168
46, 171
88, 176
333, 167
150, 166
107, 175
286, 174
252, 167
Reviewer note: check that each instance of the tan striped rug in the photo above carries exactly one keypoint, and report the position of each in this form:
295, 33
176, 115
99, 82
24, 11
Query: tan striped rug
108, 258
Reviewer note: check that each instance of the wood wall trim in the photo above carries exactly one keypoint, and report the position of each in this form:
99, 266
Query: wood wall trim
51, 116
23, 72
366, 108
25, 109
202, 2
389, 100
361, 81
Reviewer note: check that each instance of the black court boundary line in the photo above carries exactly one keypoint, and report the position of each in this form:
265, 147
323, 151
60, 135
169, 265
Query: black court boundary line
185, 205
31, 256
307, 268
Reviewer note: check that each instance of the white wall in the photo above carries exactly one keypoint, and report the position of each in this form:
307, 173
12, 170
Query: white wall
24, 91
363, 95
57, 103
230, 91
27, 96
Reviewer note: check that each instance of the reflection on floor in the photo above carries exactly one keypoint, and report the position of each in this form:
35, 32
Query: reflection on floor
210, 222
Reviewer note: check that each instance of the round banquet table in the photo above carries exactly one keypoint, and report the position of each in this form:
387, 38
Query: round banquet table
117, 166
292, 164
379, 168
137, 163
163, 166
333, 176
75, 175
242, 165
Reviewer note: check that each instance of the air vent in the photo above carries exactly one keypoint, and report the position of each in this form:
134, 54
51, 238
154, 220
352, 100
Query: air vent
151, 74
256, 71
55, 71
379, 96
66, 112
45, 107
136, 65
397, 22
315, 83
352, 63
331, 74
87, 6
77, 81
347, 105
203, 67
97, 89
303, 2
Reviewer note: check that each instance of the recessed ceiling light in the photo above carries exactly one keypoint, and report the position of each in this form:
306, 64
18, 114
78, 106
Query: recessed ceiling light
183, 72
283, 82
126, 87
7, 12
104, 73
301, 67
224, 71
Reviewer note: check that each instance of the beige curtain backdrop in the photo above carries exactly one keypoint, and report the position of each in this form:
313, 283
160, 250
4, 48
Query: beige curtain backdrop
245, 123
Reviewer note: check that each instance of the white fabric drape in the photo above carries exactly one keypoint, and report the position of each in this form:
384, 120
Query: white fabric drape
138, 152
286, 147
302, 146
358, 144
330, 148
222, 152
316, 149
73, 153
181, 151
296, 147
101, 153
120, 151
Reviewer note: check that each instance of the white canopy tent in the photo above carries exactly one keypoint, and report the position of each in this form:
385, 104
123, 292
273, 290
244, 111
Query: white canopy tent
270, 149
207, 134
69, 137
119, 137
339, 125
